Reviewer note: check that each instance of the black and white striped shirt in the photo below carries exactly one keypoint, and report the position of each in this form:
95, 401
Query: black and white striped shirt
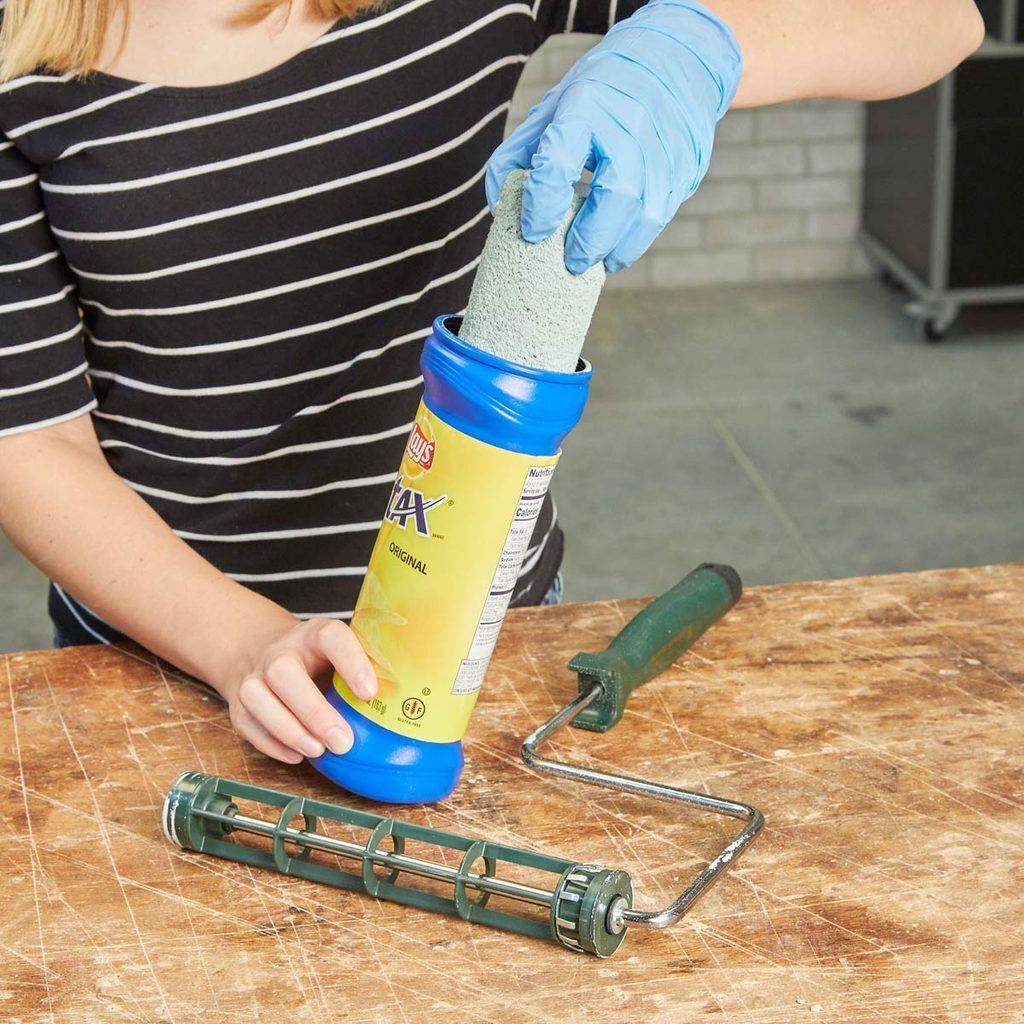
235, 281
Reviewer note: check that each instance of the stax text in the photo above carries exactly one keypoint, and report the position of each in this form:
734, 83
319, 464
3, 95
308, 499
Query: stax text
407, 504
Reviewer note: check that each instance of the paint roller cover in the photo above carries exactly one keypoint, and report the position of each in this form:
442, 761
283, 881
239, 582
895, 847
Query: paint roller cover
525, 306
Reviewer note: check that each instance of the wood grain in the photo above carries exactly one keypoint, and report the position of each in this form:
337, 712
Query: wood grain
878, 723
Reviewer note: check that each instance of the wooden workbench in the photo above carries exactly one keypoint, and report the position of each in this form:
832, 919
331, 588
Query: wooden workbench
878, 723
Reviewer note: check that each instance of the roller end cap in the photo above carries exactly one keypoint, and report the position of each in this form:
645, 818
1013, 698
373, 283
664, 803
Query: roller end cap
190, 792
580, 910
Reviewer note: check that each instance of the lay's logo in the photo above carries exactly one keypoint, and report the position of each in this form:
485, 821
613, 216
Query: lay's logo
420, 448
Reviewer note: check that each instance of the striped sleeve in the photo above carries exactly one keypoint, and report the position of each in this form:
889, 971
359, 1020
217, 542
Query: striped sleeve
593, 16
42, 358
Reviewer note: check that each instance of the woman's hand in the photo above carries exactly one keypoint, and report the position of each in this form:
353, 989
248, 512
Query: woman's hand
638, 110
274, 702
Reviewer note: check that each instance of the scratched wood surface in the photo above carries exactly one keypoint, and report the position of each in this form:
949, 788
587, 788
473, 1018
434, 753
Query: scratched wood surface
878, 723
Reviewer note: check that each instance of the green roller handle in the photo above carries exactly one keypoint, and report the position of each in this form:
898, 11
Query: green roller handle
651, 641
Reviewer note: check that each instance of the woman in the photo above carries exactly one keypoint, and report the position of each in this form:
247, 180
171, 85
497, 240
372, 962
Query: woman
226, 228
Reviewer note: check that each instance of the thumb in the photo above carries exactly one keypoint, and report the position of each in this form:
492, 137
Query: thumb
341, 649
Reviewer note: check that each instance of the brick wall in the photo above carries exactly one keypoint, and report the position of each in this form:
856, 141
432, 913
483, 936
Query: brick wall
780, 202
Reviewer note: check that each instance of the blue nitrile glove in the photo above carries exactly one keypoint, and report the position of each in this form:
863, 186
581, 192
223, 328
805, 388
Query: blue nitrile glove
639, 110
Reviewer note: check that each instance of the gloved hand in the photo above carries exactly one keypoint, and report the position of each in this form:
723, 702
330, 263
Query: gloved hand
639, 110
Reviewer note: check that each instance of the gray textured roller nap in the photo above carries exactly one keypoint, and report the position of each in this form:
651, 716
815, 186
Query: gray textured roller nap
525, 306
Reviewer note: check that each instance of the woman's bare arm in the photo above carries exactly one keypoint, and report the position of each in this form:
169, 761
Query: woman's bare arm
70, 514
846, 49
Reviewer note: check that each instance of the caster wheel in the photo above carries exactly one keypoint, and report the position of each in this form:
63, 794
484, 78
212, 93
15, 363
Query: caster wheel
934, 319
934, 331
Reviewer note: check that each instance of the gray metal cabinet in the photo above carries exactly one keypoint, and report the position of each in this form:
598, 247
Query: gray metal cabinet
943, 205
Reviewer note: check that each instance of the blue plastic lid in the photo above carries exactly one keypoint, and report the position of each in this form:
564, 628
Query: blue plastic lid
518, 408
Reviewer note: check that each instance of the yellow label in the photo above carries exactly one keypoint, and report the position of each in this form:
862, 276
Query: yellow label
454, 535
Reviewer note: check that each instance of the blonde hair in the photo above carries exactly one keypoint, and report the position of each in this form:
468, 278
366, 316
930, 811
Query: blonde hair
68, 35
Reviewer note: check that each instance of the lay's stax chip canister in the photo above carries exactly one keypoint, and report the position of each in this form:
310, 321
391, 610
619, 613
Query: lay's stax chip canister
453, 538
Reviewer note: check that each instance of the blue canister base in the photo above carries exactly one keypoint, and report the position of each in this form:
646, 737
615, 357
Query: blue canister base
517, 408
383, 765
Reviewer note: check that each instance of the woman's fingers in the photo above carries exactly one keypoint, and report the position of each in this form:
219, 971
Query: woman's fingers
250, 729
301, 699
280, 709
562, 153
615, 201
277, 717
517, 150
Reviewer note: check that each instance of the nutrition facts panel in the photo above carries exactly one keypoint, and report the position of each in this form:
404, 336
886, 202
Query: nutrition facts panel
471, 672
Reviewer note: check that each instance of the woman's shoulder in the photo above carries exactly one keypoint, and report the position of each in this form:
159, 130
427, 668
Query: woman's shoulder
37, 96
41, 92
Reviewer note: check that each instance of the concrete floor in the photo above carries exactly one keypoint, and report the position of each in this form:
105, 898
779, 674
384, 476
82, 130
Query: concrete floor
796, 432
